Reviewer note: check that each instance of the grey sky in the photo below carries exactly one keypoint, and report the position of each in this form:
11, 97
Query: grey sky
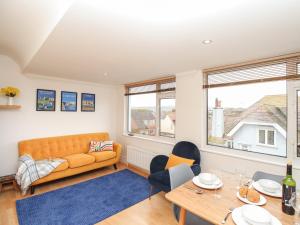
245, 95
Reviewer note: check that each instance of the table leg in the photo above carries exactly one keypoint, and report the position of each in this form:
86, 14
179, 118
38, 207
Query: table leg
182, 216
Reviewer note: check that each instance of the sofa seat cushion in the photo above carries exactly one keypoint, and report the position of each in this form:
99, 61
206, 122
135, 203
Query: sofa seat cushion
77, 160
62, 166
104, 155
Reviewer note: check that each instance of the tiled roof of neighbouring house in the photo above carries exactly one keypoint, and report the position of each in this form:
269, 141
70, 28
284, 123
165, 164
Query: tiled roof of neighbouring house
142, 114
269, 109
138, 116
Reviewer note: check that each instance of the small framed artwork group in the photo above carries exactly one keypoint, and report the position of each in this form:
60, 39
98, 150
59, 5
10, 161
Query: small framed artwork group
46, 101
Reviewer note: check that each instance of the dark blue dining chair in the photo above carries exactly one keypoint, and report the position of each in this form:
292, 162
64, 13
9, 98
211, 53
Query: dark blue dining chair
159, 177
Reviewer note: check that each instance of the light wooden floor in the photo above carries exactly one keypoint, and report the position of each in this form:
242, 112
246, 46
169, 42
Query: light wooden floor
156, 211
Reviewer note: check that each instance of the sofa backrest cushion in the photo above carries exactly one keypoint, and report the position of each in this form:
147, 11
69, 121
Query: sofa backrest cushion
57, 147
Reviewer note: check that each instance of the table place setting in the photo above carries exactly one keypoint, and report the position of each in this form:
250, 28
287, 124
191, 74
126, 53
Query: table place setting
253, 215
268, 187
208, 181
239, 198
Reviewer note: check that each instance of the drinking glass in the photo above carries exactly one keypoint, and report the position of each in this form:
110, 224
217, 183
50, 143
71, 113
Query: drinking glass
219, 175
240, 178
295, 202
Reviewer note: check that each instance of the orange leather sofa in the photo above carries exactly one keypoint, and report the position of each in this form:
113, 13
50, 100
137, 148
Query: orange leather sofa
74, 149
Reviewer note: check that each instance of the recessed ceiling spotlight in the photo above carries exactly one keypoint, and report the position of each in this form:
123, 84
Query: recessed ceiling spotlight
206, 42
105, 74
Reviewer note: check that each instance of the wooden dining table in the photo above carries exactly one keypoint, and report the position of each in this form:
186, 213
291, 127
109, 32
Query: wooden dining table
213, 206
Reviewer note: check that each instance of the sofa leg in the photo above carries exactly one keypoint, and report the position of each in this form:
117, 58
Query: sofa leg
150, 191
115, 166
32, 190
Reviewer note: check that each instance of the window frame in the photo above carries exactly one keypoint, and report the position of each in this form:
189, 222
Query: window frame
168, 94
266, 144
291, 144
129, 120
297, 123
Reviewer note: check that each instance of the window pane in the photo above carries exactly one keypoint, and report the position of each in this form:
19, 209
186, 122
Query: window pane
271, 137
237, 113
142, 114
262, 136
167, 117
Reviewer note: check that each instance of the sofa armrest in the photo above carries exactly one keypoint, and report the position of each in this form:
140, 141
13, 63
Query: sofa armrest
118, 149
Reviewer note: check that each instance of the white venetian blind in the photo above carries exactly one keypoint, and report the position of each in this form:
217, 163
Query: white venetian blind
151, 86
263, 71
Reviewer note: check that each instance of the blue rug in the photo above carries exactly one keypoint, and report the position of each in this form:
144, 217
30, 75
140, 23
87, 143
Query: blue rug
85, 203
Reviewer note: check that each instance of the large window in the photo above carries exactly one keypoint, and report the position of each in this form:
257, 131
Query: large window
151, 108
142, 111
247, 117
247, 106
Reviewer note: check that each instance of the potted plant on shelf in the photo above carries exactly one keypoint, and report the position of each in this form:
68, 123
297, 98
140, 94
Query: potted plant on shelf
10, 92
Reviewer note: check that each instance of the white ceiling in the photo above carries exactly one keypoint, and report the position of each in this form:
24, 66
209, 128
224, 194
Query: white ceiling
134, 40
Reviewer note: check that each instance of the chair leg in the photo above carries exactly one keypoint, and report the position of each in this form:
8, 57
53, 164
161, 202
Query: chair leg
150, 191
32, 190
115, 166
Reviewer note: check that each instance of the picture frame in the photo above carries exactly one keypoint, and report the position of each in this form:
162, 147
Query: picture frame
68, 101
88, 102
45, 100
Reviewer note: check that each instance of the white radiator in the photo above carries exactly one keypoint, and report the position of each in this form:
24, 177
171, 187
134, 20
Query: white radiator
139, 157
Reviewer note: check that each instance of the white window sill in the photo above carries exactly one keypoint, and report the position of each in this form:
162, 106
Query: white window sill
266, 145
245, 155
153, 139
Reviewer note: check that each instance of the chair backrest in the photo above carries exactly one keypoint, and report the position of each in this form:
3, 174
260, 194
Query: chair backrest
179, 175
262, 175
187, 150
58, 147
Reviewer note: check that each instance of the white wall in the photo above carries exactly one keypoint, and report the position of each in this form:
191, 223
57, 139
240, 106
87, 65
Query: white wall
25, 123
191, 126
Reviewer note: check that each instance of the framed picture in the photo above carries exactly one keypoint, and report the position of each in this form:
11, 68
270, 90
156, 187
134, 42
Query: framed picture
45, 100
87, 102
68, 101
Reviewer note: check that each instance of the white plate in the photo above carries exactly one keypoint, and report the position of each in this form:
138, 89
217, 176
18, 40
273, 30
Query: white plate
262, 200
216, 185
207, 178
259, 188
269, 185
238, 218
254, 214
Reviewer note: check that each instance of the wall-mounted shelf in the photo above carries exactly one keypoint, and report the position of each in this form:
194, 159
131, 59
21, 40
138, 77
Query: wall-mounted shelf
10, 106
